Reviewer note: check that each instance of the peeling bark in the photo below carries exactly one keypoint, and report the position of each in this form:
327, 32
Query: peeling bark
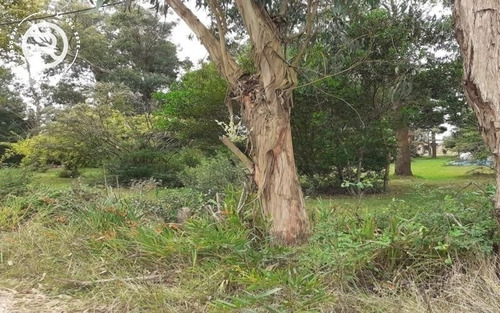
404, 139
275, 174
477, 29
266, 101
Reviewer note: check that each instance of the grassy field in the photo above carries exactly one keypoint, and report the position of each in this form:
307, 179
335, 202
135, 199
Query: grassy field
425, 246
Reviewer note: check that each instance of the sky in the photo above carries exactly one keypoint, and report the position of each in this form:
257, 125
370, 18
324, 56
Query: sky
188, 48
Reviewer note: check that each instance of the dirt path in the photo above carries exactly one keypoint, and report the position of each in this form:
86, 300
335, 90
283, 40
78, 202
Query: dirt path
12, 301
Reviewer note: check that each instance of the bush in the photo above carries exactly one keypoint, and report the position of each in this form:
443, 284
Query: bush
14, 181
213, 175
69, 172
163, 166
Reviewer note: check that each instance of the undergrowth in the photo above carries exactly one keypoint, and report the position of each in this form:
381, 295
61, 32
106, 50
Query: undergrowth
102, 247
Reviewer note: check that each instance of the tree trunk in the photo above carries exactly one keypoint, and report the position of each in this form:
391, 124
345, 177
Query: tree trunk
387, 162
386, 171
434, 145
477, 26
266, 103
404, 140
275, 173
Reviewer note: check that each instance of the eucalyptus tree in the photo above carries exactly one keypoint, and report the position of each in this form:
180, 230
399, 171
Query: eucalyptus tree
265, 94
477, 26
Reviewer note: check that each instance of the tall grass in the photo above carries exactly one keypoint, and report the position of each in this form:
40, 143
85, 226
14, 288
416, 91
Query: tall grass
98, 247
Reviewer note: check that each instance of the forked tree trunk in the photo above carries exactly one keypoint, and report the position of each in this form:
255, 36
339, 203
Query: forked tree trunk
275, 173
477, 26
404, 140
266, 99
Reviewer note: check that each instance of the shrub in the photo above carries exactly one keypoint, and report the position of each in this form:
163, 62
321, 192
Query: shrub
213, 175
163, 166
71, 172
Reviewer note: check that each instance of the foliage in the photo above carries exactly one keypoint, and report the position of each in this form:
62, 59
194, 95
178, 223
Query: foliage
213, 175
139, 56
335, 141
192, 106
343, 122
13, 123
105, 135
14, 11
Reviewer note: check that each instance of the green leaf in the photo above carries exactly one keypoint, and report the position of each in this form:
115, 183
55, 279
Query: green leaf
268, 293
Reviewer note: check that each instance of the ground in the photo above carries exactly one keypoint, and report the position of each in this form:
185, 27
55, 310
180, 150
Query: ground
83, 251
13, 301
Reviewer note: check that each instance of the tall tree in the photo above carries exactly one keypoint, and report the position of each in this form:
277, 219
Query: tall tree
265, 97
477, 26
12, 11
139, 55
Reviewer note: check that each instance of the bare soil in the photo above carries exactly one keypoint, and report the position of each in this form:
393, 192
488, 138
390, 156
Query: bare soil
13, 301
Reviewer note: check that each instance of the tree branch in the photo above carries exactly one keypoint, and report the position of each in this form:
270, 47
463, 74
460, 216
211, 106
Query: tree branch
312, 11
243, 158
224, 61
221, 22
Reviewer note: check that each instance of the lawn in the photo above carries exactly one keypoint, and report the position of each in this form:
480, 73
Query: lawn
428, 173
436, 171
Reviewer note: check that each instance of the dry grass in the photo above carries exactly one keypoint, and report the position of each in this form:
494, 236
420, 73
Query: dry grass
471, 288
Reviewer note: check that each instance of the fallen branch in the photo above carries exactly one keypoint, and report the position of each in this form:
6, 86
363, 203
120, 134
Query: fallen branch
243, 158
87, 283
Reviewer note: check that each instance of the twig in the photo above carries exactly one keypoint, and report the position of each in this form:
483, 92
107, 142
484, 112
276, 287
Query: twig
86, 283
458, 222
462, 189
209, 208
217, 199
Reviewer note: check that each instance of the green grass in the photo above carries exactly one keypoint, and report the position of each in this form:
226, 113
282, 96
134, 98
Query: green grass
428, 173
51, 177
404, 251
436, 170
